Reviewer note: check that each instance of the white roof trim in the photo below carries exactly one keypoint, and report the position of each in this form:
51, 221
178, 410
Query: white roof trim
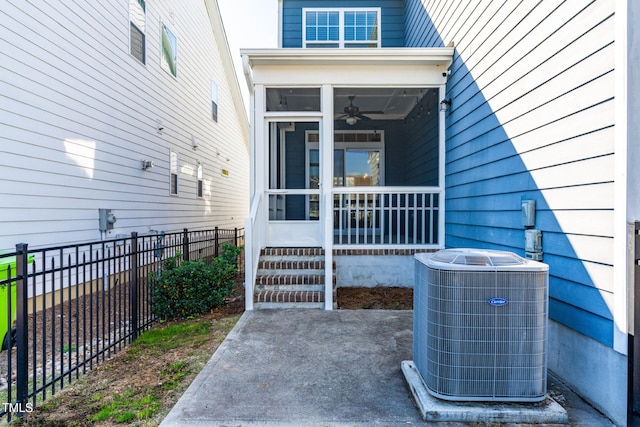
439, 56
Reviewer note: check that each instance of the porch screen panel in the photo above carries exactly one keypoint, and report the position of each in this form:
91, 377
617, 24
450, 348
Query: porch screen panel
293, 172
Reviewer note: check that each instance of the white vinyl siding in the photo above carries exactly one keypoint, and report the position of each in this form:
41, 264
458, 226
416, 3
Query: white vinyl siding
75, 122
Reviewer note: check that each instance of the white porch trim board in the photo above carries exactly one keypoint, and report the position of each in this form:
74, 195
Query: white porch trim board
326, 176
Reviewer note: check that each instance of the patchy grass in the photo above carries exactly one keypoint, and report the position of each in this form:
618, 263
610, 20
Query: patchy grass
132, 405
139, 385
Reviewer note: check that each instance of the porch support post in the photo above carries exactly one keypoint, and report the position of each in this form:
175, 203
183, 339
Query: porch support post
441, 166
259, 134
326, 191
255, 224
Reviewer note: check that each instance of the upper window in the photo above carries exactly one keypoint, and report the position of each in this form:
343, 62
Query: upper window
169, 54
341, 27
214, 101
173, 172
137, 29
200, 185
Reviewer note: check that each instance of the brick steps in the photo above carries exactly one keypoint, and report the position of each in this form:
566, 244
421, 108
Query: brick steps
290, 278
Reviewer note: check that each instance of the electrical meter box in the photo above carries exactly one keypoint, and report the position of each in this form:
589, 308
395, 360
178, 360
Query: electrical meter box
533, 244
106, 219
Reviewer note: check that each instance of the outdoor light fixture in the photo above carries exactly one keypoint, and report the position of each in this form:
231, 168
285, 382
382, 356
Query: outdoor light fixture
351, 120
147, 164
445, 105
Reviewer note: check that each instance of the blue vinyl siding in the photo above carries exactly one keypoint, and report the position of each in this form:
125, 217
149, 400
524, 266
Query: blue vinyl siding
421, 159
532, 91
392, 19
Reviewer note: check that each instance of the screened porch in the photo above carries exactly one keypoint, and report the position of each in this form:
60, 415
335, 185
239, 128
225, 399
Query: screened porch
385, 164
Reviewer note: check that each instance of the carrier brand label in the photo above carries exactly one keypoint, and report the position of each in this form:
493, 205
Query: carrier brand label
498, 302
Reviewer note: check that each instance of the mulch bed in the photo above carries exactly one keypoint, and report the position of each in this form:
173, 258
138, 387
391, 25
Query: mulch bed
379, 298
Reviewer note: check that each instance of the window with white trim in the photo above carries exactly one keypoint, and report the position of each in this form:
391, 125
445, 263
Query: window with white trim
169, 51
214, 101
358, 158
173, 173
354, 27
200, 183
137, 31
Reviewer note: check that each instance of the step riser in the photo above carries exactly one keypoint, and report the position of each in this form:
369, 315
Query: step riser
288, 279
290, 288
292, 251
282, 305
291, 258
288, 297
291, 265
292, 273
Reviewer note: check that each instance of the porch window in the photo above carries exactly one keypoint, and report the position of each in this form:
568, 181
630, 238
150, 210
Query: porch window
303, 99
356, 27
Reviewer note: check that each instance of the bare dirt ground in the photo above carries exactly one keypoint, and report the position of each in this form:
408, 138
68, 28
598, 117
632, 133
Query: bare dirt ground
123, 374
379, 298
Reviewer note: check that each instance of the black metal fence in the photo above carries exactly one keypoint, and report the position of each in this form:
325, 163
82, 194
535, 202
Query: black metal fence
66, 309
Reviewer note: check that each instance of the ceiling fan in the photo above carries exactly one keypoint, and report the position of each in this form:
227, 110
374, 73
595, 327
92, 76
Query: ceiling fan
352, 113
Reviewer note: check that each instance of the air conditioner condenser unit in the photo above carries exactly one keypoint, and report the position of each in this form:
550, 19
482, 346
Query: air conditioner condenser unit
480, 325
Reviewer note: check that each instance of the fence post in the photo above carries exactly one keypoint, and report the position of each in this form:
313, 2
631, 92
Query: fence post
185, 244
216, 243
22, 378
235, 237
133, 290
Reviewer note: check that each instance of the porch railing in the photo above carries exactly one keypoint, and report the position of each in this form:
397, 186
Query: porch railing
379, 216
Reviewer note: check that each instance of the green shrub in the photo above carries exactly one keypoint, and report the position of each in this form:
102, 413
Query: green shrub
190, 288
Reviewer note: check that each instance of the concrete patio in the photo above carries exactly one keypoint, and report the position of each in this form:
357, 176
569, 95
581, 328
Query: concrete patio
322, 368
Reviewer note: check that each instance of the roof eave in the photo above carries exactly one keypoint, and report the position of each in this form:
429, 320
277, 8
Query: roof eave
440, 56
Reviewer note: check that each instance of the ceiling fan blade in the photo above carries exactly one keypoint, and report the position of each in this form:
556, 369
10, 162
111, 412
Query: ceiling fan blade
371, 112
360, 116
